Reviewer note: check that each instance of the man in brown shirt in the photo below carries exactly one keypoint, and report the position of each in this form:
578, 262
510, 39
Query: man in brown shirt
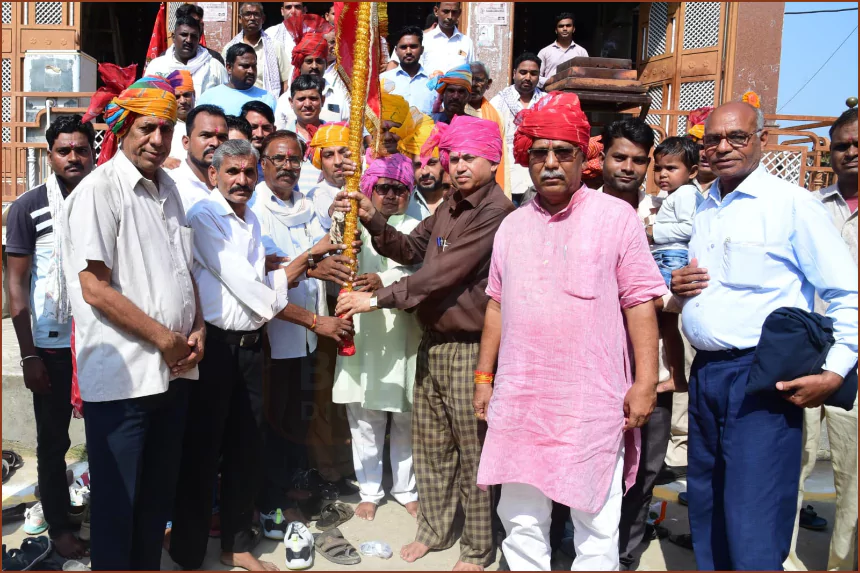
454, 247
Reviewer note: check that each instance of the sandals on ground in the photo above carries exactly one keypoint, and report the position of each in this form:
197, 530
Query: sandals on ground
333, 515
335, 548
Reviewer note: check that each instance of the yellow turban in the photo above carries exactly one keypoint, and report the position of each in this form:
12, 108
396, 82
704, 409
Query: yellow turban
396, 109
328, 135
411, 145
697, 131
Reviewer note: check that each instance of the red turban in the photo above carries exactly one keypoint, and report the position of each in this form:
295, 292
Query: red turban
465, 134
557, 116
308, 32
593, 162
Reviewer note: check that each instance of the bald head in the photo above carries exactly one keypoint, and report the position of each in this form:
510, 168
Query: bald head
734, 136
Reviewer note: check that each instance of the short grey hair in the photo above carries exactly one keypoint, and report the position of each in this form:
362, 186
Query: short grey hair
759, 119
481, 66
234, 148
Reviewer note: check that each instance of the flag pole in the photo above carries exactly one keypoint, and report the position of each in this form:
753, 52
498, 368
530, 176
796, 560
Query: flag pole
358, 99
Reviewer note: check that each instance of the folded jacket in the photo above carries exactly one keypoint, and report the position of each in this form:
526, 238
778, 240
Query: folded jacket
794, 343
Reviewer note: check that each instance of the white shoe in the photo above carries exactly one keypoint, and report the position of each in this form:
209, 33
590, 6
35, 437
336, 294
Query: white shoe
274, 526
300, 546
34, 520
79, 496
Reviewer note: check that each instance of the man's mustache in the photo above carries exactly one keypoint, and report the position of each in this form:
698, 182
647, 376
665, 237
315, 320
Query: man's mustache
240, 188
557, 174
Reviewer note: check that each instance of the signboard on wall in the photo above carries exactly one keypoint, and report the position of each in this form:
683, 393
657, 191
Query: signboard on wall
492, 13
214, 11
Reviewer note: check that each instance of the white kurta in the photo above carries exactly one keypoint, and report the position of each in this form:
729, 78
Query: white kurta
382, 373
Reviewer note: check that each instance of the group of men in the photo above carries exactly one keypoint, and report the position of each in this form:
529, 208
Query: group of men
513, 344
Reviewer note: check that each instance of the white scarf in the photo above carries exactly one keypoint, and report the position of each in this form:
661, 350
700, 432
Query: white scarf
57, 305
511, 97
289, 216
194, 65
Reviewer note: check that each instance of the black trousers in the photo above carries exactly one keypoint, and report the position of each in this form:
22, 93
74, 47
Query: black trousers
634, 508
53, 413
290, 407
225, 415
134, 455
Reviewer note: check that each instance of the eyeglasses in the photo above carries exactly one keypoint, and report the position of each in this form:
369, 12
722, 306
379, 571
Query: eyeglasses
383, 189
279, 160
562, 154
736, 139
252, 15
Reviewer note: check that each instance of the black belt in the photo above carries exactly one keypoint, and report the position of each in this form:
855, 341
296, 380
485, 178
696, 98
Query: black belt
445, 337
244, 339
729, 354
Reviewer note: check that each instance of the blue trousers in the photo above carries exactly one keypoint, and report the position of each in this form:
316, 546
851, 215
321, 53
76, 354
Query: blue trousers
670, 260
743, 467
134, 448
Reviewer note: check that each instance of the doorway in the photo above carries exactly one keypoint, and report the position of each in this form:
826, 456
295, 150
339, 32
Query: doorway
604, 29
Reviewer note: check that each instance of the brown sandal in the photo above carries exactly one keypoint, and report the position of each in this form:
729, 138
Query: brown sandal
335, 548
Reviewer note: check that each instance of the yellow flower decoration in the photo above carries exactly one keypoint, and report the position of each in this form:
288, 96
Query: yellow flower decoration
752, 98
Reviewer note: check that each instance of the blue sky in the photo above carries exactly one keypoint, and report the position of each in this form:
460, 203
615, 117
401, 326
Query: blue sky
807, 41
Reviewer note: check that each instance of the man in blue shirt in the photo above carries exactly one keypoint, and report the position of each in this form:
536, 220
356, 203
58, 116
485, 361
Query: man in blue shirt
409, 78
242, 71
758, 244
41, 315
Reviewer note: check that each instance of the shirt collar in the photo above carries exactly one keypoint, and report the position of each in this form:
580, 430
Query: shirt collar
570, 47
400, 71
751, 185
577, 198
131, 176
474, 199
259, 42
437, 32
831, 193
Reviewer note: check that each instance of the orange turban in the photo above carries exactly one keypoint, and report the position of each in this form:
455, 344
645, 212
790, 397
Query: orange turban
328, 135
558, 116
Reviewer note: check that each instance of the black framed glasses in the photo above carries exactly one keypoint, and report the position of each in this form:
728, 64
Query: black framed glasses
736, 139
562, 154
279, 160
383, 189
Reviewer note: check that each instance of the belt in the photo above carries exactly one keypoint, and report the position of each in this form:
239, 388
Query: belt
244, 339
729, 354
445, 337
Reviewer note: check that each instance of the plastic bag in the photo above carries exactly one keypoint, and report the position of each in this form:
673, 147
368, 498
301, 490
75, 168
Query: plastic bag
656, 513
376, 549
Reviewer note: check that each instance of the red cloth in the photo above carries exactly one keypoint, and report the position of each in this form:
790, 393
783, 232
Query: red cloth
116, 80
698, 116
852, 203
557, 116
307, 31
158, 42
593, 163
203, 40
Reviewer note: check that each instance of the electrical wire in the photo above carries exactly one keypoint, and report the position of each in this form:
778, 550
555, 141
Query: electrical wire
818, 70
822, 11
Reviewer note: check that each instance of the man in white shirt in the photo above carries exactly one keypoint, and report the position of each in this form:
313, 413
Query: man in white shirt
335, 104
238, 297
290, 227
279, 32
562, 50
840, 200
445, 46
522, 94
207, 130
307, 102
409, 78
186, 53
758, 244
138, 331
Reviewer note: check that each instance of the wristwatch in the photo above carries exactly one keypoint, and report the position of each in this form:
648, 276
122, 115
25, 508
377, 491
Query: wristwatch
373, 303
312, 264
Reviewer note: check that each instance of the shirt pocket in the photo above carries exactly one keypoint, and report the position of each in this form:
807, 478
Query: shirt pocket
579, 279
746, 265
186, 241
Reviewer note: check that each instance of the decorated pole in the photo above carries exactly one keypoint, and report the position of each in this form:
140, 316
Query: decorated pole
361, 62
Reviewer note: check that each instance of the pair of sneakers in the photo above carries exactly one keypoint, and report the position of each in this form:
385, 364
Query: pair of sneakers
298, 540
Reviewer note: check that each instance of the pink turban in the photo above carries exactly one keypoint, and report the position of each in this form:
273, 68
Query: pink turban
465, 134
397, 167
557, 116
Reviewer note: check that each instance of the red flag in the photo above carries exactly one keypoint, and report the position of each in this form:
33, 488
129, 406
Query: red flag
346, 18
158, 42
202, 40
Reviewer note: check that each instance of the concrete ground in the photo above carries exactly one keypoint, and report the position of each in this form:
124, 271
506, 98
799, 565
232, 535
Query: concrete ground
396, 527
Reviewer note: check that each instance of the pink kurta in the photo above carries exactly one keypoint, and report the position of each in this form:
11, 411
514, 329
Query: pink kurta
557, 412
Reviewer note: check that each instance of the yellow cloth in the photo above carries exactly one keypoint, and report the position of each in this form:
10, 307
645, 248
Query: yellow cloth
697, 131
396, 109
502, 177
328, 135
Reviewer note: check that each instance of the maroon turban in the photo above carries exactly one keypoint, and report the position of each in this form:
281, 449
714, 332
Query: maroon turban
557, 116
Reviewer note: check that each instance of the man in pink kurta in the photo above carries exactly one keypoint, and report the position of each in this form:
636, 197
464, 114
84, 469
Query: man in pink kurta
566, 305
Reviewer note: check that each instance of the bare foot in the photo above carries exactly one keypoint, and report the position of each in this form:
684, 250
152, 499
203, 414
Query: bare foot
461, 566
69, 546
412, 508
413, 551
247, 561
293, 514
366, 511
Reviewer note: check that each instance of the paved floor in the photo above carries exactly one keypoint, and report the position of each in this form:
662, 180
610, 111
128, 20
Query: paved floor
394, 526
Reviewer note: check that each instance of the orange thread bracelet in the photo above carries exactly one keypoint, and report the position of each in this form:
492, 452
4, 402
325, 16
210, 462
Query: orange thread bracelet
314, 325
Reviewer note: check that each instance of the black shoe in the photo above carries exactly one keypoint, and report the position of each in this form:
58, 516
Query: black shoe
655, 532
810, 520
682, 498
346, 486
669, 474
